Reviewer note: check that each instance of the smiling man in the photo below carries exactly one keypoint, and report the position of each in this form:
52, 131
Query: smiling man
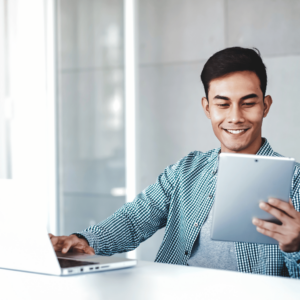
182, 198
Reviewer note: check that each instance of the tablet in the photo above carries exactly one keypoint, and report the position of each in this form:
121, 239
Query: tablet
244, 181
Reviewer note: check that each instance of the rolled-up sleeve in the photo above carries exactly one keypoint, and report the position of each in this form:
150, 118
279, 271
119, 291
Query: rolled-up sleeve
292, 259
135, 222
292, 262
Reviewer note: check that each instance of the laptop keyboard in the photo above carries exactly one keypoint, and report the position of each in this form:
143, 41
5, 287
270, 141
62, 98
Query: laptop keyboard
69, 263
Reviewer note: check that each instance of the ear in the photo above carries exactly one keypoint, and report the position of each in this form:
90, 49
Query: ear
267, 104
205, 106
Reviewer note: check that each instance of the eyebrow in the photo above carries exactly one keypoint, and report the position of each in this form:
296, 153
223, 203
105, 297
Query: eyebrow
249, 96
221, 97
243, 98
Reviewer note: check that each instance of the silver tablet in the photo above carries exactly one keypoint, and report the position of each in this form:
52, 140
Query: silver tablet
244, 181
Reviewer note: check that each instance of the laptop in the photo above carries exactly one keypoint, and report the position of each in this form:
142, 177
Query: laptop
243, 182
23, 223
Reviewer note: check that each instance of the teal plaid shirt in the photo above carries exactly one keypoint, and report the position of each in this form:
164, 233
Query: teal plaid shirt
180, 200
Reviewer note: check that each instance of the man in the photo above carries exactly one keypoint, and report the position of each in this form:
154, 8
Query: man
182, 198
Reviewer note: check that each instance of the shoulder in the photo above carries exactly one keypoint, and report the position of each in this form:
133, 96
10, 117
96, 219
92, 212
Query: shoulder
195, 160
295, 185
295, 188
296, 177
203, 157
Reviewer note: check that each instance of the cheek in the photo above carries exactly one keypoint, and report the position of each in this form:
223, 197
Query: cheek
255, 117
217, 116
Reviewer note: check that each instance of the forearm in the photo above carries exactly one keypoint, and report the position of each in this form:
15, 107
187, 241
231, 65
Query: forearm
113, 235
126, 229
136, 221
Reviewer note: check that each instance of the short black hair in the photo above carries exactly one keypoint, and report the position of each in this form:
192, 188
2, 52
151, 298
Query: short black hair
231, 60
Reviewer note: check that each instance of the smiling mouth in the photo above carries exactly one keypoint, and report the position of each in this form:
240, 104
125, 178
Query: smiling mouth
235, 131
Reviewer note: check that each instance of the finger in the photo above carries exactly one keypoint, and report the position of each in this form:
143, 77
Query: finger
274, 211
56, 243
89, 250
50, 235
277, 236
54, 240
57, 248
290, 201
282, 205
68, 243
77, 250
267, 225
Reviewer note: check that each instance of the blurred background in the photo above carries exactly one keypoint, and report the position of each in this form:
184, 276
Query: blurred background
65, 110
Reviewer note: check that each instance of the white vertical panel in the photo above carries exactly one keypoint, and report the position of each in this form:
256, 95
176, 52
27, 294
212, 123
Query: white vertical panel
51, 114
130, 101
3, 80
32, 150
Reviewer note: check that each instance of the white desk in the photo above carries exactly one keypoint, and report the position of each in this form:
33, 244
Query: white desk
148, 281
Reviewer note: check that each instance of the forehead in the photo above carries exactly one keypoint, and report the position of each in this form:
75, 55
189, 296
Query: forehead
236, 84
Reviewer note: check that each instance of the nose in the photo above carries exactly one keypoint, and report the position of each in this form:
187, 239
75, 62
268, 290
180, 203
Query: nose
235, 114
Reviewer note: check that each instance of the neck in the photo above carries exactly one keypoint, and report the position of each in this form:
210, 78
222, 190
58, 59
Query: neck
251, 149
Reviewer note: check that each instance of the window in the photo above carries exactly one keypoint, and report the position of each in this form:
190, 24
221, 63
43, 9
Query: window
91, 125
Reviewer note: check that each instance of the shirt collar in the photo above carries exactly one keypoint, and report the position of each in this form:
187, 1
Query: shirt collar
264, 150
215, 160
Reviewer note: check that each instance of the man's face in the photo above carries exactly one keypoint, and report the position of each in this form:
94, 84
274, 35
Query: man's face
236, 110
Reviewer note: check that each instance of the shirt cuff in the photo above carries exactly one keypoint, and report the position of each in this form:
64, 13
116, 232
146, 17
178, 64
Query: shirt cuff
292, 257
89, 236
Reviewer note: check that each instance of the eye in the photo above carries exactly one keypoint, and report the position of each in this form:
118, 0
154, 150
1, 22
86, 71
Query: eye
223, 105
249, 103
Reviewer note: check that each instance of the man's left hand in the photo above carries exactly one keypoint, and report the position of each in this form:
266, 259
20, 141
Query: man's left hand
287, 234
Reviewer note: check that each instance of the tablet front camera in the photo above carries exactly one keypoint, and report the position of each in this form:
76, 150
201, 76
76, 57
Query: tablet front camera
256, 160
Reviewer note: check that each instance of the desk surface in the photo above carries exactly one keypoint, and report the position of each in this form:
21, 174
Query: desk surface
148, 281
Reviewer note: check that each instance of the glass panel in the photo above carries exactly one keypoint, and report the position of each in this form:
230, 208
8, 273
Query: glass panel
91, 111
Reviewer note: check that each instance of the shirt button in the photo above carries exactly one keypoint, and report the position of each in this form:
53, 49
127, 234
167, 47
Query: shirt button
186, 252
210, 196
196, 224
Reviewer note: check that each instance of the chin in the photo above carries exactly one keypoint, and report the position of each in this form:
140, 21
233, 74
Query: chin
235, 147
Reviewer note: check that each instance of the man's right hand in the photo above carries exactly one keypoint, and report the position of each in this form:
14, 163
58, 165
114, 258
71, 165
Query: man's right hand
70, 243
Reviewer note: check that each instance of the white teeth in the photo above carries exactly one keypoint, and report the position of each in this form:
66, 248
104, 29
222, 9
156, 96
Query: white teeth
235, 131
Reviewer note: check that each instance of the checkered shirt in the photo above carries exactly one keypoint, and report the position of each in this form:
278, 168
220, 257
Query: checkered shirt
181, 198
